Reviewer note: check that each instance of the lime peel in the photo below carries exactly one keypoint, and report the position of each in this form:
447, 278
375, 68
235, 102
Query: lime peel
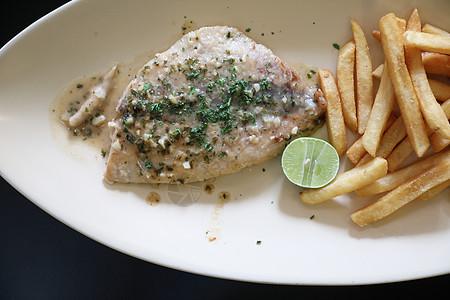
310, 162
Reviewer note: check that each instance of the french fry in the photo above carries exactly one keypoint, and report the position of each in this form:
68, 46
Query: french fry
334, 117
364, 81
391, 40
366, 158
404, 149
434, 191
377, 34
438, 142
347, 182
428, 41
403, 194
382, 108
437, 64
431, 110
393, 135
386, 140
428, 28
357, 151
430, 61
378, 72
440, 89
399, 154
346, 84
393, 180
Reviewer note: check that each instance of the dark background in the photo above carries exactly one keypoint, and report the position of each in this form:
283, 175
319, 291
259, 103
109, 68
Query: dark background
41, 258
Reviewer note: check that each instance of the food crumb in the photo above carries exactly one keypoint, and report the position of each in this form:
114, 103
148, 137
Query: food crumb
212, 238
258, 242
153, 198
224, 195
312, 217
209, 188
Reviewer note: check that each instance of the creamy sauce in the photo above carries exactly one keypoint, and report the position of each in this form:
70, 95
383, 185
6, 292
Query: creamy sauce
71, 97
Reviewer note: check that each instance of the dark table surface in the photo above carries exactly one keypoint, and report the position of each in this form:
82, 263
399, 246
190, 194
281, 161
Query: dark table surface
41, 258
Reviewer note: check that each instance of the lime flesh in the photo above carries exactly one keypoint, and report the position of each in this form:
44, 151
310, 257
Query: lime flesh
310, 162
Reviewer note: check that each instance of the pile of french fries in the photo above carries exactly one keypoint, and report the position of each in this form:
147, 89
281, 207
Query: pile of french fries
408, 113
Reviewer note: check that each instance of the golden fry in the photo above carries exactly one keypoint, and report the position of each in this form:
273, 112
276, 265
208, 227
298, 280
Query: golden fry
399, 154
346, 84
428, 28
382, 108
357, 151
334, 116
393, 135
434, 191
431, 110
404, 149
440, 89
438, 142
435, 63
403, 194
347, 182
393, 180
377, 34
378, 72
366, 158
428, 41
391, 40
364, 81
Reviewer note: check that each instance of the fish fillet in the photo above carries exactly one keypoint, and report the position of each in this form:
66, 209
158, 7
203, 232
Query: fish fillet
212, 104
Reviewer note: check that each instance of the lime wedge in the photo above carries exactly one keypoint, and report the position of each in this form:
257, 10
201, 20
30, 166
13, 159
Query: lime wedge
310, 162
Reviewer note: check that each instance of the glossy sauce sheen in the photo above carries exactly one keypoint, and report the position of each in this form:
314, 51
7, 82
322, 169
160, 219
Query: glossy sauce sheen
73, 97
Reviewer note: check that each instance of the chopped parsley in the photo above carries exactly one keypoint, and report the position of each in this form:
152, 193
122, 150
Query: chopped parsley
336, 46
222, 154
214, 103
311, 73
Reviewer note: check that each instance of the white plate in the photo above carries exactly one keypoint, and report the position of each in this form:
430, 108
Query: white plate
88, 36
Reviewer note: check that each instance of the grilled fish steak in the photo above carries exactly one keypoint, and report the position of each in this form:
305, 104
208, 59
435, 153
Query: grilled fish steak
212, 104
